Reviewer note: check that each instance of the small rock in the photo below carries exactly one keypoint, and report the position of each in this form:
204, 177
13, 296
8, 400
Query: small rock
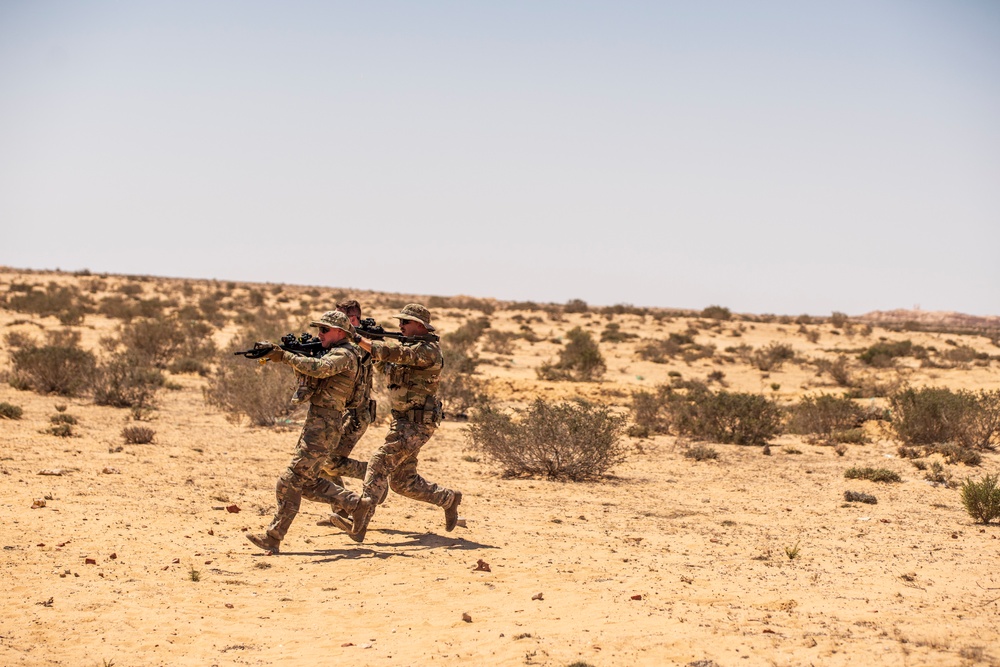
466, 617
232, 509
90, 561
636, 597
55, 472
111, 471
37, 503
482, 566
537, 596
229, 605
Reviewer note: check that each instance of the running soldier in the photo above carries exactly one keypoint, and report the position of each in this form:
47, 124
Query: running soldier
412, 369
335, 374
360, 414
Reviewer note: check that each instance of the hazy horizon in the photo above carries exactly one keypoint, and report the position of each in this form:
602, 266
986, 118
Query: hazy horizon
774, 157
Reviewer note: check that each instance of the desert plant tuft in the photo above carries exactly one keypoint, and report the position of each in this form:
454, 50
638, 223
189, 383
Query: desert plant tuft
579, 361
873, 474
127, 381
772, 357
936, 415
573, 441
10, 411
138, 435
827, 417
701, 453
62, 368
725, 417
239, 388
792, 552
982, 499
858, 497
60, 430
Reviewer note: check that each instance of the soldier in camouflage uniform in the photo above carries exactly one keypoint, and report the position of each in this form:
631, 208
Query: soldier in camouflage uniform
336, 373
413, 368
360, 414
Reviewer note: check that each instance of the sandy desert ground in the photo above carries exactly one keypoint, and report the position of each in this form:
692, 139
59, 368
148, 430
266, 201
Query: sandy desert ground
138, 556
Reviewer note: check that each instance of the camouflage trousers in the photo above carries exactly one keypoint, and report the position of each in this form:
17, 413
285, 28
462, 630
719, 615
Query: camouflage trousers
356, 422
320, 436
394, 466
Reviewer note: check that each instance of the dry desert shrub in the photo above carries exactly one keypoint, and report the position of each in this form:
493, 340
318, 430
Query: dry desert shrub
499, 342
829, 418
162, 342
981, 499
459, 389
675, 345
64, 302
579, 361
933, 416
138, 435
10, 411
723, 416
872, 474
61, 367
858, 497
648, 412
771, 357
717, 313
127, 381
884, 353
571, 441
244, 388
700, 453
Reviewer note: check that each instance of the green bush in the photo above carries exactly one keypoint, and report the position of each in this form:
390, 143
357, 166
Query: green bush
982, 499
241, 387
126, 381
827, 416
700, 453
725, 417
858, 497
716, 313
10, 411
138, 435
873, 474
572, 441
62, 368
884, 353
579, 361
936, 415
772, 357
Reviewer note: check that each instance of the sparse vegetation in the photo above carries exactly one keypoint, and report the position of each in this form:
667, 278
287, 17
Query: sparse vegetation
138, 435
724, 417
858, 497
573, 441
932, 416
60, 367
10, 411
700, 453
579, 361
829, 418
873, 474
981, 499
245, 389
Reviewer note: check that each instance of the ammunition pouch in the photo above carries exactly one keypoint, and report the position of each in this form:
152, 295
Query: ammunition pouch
431, 413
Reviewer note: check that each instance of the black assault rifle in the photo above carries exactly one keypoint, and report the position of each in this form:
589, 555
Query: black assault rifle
370, 329
306, 344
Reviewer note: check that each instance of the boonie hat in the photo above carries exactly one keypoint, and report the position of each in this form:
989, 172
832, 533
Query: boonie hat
417, 313
335, 320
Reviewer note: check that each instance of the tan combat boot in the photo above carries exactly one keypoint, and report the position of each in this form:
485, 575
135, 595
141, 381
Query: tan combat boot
451, 512
362, 515
265, 542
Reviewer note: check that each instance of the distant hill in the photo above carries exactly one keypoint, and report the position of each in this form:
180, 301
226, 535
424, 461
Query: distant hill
932, 318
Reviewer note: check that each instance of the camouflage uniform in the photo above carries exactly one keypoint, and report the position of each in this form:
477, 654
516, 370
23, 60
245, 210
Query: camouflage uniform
413, 369
360, 414
336, 373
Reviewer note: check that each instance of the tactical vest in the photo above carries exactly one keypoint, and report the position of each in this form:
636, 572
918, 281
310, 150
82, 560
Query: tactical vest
333, 391
363, 386
409, 386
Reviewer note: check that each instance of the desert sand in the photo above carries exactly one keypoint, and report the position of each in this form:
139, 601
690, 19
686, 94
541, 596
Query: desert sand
139, 557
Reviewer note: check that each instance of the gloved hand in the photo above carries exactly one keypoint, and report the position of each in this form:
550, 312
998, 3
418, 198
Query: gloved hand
275, 355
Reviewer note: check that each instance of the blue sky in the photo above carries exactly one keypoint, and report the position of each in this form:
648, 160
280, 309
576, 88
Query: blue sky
783, 157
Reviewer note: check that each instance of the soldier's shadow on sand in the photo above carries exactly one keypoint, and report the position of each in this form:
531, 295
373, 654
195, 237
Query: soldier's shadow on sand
380, 543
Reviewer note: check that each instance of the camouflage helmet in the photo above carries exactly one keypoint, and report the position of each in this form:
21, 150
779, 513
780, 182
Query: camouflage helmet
417, 313
335, 320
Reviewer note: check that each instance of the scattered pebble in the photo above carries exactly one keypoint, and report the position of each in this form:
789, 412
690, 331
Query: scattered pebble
466, 617
537, 596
